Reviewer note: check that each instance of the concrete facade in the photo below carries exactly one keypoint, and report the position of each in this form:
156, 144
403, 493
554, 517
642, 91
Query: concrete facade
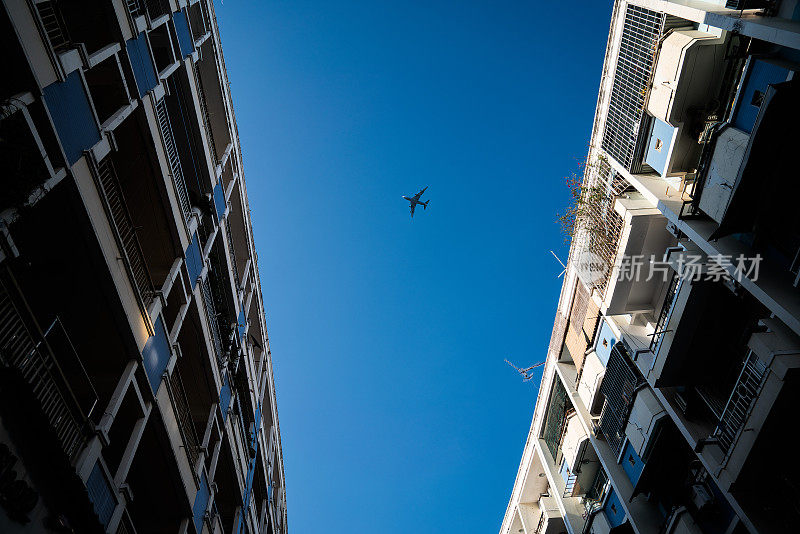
136, 383
674, 418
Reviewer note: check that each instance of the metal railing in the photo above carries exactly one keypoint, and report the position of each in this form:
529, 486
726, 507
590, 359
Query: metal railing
740, 403
542, 521
593, 500
180, 403
173, 158
232, 252
666, 313
157, 8
211, 314
126, 231
135, 8
27, 352
201, 96
569, 485
53, 24
556, 418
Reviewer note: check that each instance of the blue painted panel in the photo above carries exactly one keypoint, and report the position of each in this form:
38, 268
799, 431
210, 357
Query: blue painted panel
659, 145
156, 354
241, 325
72, 116
760, 75
142, 64
564, 470
613, 510
100, 494
219, 200
200, 503
605, 342
194, 260
632, 464
184, 36
225, 397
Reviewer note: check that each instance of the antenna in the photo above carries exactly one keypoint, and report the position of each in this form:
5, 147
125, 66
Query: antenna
562, 264
526, 373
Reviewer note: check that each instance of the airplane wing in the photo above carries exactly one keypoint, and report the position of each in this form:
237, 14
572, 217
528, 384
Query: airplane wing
416, 197
413, 207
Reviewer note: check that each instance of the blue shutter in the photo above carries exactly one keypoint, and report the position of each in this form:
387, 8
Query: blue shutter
200, 503
225, 397
194, 260
241, 326
100, 494
142, 64
72, 116
632, 464
759, 76
184, 36
613, 510
156, 354
219, 200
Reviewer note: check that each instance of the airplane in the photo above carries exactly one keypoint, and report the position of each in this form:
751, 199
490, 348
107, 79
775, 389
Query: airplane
415, 200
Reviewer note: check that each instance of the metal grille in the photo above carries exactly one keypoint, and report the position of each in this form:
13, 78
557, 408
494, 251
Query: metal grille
183, 414
157, 8
134, 8
599, 227
54, 26
740, 403
19, 349
121, 219
666, 313
174, 158
555, 420
618, 387
571, 485
211, 314
640, 34
201, 96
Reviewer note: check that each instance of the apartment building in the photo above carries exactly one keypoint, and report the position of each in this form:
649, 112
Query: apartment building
136, 384
669, 395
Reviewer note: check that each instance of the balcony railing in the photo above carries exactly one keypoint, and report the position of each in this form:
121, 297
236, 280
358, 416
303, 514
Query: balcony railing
619, 388
53, 24
593, 500
211, 314
120, 217
542, 522
740, 403
201, 96
570, 485
173, 158
157, 8
183, 414
666, 313
232, 252
30, 354
135, 8
556, 418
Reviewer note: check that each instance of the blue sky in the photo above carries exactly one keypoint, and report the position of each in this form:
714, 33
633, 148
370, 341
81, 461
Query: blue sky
388, 334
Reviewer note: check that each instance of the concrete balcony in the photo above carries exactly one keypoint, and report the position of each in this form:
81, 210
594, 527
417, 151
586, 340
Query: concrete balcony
541, 517
644, 236
686, 80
